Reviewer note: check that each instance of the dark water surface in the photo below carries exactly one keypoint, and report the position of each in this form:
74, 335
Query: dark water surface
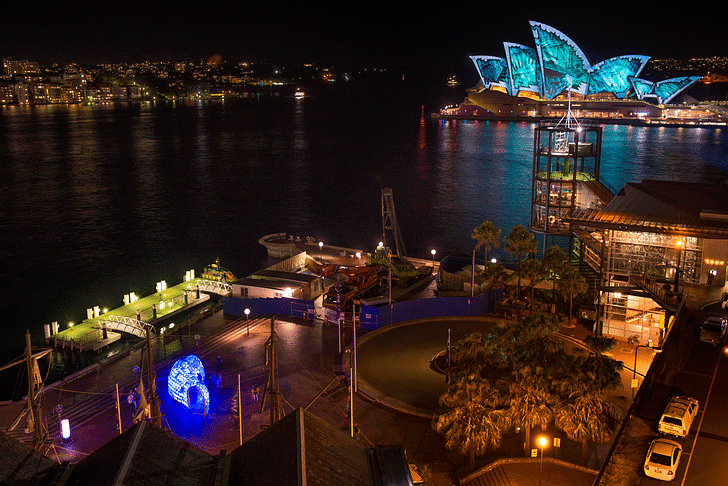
100, 201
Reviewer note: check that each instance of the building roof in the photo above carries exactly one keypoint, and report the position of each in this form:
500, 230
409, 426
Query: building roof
557, 63
20, 464
284, 276
302, 448
145, 455
670, 207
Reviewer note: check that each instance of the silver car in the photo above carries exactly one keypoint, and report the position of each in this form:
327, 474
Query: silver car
713, 330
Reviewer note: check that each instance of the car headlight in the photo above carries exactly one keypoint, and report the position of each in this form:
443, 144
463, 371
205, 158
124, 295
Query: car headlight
669, 473
647, 468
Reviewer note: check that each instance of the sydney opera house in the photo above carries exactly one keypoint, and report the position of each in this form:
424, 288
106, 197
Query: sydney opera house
536, 81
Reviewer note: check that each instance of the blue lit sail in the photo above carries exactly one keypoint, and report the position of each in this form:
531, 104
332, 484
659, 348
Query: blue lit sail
556, 61
663, 91
612, 75
523, 66
493, 71
187, 376
560, 58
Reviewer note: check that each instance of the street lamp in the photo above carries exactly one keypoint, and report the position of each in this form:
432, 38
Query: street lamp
680, 246
634, 368
247, 323
433, 258
321, 251
543, 441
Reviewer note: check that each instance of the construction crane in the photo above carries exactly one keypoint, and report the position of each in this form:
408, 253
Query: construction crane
389, 222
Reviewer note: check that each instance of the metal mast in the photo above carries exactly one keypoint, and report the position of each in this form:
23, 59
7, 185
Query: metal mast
389, 222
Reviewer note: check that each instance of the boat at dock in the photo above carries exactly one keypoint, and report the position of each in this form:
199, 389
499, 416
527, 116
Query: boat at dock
217, 273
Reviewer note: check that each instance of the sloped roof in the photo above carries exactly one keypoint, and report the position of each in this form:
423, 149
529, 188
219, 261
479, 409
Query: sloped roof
276, 455
680, 208
145, 455
20, 464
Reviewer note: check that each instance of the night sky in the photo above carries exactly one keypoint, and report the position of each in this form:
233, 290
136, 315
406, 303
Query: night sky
409, 34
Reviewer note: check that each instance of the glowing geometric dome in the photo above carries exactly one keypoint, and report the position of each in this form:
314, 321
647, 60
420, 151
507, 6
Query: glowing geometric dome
557, 64
187, 375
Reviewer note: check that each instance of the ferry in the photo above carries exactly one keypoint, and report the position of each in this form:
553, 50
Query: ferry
299, 94
218, 273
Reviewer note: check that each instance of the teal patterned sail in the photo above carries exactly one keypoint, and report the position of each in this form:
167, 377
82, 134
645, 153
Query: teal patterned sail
612, 75
493, 71
563, 63
523, 66
558, 64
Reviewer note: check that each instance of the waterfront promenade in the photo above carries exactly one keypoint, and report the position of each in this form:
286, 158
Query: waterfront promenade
309, 362
397, 391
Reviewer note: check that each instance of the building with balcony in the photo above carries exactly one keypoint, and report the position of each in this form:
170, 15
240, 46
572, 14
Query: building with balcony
651, 246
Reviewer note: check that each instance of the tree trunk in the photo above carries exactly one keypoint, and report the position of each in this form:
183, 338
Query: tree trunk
571, 307
527, 443
584, 448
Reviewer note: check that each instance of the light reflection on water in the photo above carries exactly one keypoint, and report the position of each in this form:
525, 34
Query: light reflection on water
96, 202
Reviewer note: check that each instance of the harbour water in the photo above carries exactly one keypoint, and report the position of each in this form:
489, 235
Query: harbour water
100, 201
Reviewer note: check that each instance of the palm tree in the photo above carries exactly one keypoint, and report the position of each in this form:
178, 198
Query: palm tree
587, 416
572, 284
496, 275
531, 402
534, 271
554, 261
487, 236
518, 242
472, 419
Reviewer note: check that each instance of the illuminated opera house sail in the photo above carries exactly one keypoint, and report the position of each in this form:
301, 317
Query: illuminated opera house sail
556, 64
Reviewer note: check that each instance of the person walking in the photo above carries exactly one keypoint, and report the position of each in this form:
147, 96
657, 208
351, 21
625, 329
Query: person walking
254, 393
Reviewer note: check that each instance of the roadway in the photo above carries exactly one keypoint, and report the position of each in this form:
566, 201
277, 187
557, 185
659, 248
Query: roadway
702, 375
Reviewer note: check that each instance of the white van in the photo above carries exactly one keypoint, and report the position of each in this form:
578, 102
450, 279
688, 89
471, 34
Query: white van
678, 416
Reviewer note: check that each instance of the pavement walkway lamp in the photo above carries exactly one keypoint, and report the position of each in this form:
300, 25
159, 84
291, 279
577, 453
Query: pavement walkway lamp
433, 257
634, 368
542, 442
247, 323
321, 251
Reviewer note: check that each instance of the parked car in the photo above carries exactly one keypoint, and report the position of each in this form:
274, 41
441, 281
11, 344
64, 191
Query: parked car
678, 416
662, 459
713, 330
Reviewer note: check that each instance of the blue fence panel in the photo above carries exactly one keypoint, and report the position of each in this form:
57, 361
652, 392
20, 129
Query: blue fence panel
371, 317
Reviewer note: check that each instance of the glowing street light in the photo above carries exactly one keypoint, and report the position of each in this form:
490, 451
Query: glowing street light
433, 251
543, 441
321, 251
634, 368
247, 323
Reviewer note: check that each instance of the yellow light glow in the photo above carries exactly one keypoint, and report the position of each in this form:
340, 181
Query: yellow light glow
543, 441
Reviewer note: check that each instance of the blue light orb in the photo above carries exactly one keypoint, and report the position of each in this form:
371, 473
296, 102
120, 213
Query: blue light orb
186, 376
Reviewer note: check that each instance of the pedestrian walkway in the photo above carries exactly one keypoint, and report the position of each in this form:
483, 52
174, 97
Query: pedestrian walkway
309, 360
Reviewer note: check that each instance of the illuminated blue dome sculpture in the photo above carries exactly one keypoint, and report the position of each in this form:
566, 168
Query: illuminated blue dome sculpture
187, 377
557, 64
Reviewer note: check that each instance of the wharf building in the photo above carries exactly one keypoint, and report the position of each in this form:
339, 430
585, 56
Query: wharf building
535, 82
647, 248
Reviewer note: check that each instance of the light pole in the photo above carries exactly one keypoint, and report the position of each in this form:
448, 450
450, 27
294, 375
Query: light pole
247, 323
321, 251
433, 258
634, 368
542, 442
680, 245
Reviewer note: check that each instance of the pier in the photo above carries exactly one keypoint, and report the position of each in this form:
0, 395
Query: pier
104, 328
